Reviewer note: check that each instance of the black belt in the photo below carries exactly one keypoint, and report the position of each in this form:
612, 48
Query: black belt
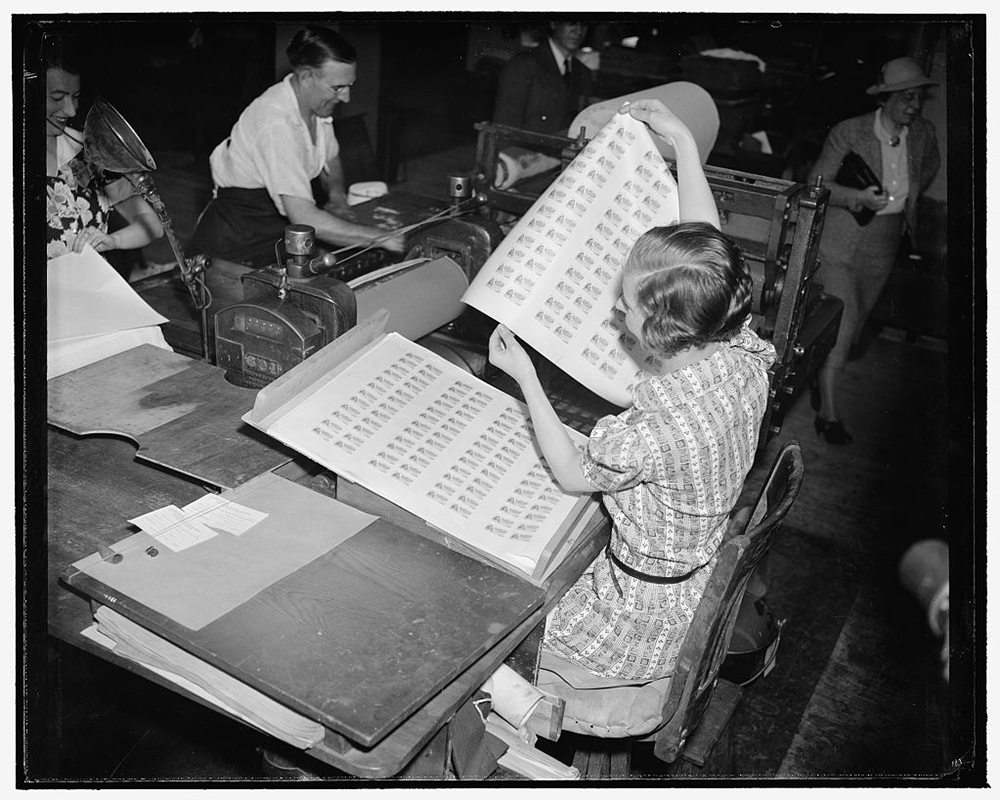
643, 576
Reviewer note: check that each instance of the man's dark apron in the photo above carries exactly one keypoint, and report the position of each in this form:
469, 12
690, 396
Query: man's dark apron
243, 226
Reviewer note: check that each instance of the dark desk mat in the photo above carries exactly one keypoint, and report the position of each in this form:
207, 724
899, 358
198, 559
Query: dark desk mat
362, 636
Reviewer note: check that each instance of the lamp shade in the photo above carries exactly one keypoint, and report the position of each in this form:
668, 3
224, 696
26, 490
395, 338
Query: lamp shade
111, 144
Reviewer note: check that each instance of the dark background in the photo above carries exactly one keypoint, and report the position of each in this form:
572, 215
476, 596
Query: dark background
424, 80
182, 80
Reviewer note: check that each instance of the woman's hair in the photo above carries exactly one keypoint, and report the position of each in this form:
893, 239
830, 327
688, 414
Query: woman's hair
313, 46
692, 286
62, 51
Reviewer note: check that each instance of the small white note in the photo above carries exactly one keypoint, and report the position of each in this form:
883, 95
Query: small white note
224, 515
170, 526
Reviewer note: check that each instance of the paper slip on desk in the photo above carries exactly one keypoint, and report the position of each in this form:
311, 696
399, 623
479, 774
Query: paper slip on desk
357, 638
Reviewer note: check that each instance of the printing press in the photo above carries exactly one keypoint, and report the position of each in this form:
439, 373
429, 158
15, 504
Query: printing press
265, 321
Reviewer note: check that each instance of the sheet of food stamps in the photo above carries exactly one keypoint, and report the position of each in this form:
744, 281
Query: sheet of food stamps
555, 279
437, 441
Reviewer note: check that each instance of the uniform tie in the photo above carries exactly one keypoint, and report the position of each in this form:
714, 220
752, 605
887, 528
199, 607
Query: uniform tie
567, 72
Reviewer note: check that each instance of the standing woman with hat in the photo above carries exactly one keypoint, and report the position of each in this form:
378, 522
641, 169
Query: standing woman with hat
856, 259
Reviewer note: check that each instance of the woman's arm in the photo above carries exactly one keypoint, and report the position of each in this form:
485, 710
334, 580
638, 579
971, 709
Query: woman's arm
560, 453
836, 145
143, 227
697, 204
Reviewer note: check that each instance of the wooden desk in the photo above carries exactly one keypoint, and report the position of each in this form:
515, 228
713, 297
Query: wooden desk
181, 412
95, 484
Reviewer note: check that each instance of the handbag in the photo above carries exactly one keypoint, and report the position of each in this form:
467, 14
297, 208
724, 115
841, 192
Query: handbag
855, 172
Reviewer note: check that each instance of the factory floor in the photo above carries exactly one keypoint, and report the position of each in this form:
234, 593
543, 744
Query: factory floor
857, 693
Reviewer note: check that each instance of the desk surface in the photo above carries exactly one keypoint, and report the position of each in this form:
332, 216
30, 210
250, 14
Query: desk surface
95, 485
181, 412
357, 637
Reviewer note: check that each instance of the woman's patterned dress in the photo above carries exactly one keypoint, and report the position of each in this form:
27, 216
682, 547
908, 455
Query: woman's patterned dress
671, 469
78, 196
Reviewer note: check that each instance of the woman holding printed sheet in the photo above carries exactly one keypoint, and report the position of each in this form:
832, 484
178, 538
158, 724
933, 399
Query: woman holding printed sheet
672, 466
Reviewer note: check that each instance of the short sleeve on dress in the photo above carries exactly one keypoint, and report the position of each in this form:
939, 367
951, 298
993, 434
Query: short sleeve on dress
617, 455
118, 190
760, 350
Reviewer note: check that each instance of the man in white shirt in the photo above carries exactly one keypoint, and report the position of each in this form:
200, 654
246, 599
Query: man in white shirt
282, 157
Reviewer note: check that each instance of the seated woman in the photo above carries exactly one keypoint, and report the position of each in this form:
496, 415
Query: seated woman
672, 466
79, 195
281, 162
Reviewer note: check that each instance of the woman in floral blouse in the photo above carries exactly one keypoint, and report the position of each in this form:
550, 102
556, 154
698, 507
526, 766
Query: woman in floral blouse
79, 196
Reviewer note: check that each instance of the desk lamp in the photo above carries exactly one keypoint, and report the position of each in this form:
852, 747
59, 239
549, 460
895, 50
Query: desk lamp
110, 143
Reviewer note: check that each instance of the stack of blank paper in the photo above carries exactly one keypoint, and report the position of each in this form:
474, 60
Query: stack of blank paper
93, 313
135, 643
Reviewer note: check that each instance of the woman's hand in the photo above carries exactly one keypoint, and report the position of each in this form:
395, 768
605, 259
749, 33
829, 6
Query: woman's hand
872, 197
696, 203
507, 354
96, 238
660, 119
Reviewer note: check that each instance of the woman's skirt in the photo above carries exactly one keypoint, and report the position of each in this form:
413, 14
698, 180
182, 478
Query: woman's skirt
856, 274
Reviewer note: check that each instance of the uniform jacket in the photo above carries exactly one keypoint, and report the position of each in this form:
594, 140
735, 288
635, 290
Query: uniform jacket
532, 93
857, 134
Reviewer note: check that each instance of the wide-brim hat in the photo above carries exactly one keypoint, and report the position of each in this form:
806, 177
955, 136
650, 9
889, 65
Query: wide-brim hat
898, 75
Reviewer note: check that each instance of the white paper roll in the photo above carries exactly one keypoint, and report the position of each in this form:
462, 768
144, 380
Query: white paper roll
419, 298
687, 100
513, 697
516, 163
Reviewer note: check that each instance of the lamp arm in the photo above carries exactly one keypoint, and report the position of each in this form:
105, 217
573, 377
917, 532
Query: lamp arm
193, 272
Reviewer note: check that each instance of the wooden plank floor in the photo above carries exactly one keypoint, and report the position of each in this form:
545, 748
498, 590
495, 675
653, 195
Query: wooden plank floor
878, 709
870, 499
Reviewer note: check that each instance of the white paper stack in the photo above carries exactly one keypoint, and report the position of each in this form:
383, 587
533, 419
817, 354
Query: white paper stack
135, 643
93, 313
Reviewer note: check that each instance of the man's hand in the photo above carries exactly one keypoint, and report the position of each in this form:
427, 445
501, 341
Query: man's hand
395, 243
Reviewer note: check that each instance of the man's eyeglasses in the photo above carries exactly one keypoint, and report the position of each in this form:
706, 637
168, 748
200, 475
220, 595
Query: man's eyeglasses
339, 90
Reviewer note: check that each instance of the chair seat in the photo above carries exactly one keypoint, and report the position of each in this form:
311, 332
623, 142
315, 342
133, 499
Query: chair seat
610, 708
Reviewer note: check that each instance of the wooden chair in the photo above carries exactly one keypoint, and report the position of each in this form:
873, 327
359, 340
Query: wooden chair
698, 704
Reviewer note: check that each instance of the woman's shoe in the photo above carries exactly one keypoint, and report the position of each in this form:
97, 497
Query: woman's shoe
833, 431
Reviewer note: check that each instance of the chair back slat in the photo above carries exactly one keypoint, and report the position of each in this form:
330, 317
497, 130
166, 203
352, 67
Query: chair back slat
707, 640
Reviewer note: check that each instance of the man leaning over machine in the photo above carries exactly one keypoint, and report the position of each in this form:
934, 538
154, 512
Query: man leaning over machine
281, 162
